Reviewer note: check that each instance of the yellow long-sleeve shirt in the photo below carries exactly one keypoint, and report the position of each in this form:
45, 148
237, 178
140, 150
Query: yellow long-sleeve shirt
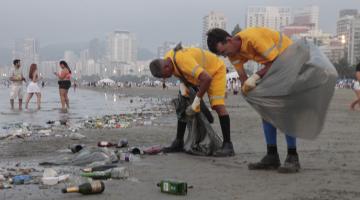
262, 45
193, 61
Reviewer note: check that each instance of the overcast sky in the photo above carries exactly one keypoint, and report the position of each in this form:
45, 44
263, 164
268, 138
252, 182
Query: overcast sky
153, 21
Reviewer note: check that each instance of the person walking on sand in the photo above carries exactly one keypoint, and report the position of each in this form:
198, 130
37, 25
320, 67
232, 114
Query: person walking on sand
356, 88
75, 86
64, 84
16, 78
33, 87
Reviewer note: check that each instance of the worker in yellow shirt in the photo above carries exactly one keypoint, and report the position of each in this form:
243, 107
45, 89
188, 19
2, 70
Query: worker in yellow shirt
203, 69
262, 45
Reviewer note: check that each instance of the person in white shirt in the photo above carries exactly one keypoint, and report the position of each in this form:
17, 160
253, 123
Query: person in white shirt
16, 78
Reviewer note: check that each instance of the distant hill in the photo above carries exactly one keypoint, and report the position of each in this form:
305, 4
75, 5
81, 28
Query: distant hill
5, 56
145, 54
56, 51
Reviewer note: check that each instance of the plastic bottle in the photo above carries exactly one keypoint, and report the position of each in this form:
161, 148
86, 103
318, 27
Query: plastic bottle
20, 179
119, 173
128, 157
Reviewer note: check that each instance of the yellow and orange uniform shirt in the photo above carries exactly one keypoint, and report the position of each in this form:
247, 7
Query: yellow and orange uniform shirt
193, 61
262, 45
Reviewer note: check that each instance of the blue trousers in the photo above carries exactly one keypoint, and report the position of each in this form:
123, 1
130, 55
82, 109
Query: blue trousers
271, 133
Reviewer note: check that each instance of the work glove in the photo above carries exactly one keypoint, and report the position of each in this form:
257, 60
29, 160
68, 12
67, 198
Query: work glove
184, 91
194, 107
250, 84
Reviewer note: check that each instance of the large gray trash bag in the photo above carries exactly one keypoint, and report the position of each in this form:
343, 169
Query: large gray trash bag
295, 94
84, 157
201, 139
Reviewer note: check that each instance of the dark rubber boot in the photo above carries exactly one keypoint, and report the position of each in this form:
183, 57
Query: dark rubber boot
176, 146
291, 165
268, 162
226, 150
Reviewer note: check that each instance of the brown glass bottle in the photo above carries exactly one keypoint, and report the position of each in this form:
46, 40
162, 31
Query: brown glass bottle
95, 187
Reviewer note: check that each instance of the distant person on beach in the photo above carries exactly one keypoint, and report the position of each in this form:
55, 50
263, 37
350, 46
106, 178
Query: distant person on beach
42, 84
16, 78
33, 87
209, 77
64, 84
356, 88
262, 45
75, 85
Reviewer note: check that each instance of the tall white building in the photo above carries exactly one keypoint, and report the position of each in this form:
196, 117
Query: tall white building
307, 16
348, 28
48, 68
121, 47
165, 47
212, 20
71, 58
354, 53
334, 50
27, 50
268, 16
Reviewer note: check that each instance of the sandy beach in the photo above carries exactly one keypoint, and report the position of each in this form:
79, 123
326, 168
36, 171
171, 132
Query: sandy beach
330, 164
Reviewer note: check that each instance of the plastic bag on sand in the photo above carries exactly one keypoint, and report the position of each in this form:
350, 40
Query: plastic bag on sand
202, 139
84, 157
295, 93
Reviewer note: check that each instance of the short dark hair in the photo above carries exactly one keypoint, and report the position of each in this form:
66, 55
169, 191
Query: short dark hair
358, 67
16, 61
214, 36
156, 68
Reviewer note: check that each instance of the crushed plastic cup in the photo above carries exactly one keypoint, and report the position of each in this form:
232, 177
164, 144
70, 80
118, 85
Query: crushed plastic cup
122, 143
54, 180
50, 177
76, 136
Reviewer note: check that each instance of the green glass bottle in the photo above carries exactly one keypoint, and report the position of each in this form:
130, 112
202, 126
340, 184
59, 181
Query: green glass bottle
95, 187
97, 175
98, 168
173, 187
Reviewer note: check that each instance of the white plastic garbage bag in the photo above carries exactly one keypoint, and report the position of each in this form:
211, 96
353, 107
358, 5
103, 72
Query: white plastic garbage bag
296, 92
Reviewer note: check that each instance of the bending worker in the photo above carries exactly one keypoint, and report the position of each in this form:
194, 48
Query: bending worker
263, 46
205, 70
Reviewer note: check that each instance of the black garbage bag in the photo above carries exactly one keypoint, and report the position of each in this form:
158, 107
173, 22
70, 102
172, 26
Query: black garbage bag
201, 139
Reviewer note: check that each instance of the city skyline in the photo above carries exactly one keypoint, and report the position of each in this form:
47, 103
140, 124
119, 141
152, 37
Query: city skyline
69, 21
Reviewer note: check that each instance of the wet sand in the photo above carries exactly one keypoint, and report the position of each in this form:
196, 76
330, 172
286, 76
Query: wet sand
330, 164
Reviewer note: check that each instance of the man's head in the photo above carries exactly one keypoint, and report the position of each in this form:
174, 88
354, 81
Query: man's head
16, 63
161, 68
221, 43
